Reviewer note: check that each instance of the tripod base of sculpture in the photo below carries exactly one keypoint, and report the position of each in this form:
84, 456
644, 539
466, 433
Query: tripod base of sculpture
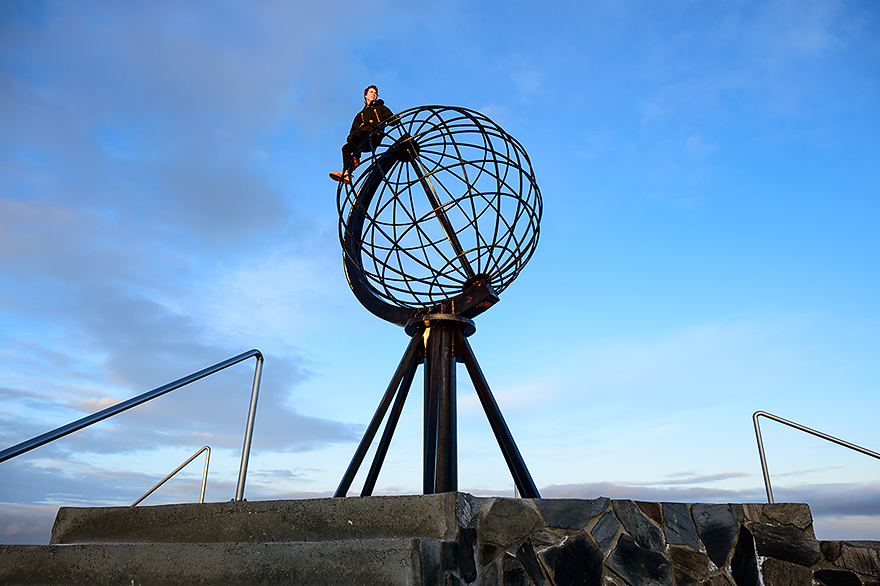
438, 341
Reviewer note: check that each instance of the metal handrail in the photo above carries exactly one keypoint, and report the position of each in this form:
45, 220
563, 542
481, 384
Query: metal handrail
178, 469
64, 430
801, 428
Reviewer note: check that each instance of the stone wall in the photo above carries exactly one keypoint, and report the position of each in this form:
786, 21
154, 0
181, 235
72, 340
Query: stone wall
627, 543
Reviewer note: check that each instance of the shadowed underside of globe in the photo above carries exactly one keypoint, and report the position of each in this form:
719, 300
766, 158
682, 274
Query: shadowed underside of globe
444, 199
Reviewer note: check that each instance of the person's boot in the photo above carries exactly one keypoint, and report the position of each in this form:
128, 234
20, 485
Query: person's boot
343, 176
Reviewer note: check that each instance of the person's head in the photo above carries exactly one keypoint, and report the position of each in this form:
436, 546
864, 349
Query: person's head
370, 94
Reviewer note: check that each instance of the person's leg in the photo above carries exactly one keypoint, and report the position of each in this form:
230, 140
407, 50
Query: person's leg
348, 155
349, 161
354, 146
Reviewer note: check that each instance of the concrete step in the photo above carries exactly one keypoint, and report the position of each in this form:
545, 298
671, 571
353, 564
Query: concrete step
380, 561
452, 538
330, 519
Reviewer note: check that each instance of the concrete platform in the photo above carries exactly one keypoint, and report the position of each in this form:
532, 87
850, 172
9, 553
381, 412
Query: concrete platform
447, 539
379, 561
328, 519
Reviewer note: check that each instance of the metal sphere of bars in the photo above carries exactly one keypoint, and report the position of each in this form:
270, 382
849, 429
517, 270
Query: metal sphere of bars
442, 198
441, 214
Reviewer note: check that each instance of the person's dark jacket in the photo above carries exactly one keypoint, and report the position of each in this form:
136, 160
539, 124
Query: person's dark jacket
374, 114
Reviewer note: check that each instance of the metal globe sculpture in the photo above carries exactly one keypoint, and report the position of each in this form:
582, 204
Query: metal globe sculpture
445, 200
441, 214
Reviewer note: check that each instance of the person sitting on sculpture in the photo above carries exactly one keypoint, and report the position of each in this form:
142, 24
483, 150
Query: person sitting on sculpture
374, 115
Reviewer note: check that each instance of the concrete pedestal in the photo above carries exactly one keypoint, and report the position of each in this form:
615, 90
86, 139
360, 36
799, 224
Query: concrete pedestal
449, 538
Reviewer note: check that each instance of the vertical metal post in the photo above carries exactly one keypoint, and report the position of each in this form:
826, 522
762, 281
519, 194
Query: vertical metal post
249, 432
443, 376
431, 408
441, 439
763, 458
205, 474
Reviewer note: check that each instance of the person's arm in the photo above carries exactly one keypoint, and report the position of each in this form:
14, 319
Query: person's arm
385, 113
355, 124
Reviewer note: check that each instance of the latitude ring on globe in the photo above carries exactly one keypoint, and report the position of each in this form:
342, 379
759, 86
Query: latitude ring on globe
441, 215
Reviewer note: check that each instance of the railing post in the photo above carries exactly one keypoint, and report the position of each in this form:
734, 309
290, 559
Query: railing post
249, 432
64, 430
799, 427
178, 469
763, 457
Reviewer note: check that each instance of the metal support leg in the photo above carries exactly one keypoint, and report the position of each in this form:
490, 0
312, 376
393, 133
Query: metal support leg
515, 463
445, 342
408, 357
431, 413
446, 461
393, 418
441, 354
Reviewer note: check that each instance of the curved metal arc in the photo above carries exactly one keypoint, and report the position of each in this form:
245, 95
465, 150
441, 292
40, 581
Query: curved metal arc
351, 245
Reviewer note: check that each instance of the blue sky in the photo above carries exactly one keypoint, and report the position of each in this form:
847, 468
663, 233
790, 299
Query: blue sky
709, 248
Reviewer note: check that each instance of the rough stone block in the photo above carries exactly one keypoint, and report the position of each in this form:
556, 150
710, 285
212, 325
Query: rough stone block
752, 512
678, 525
529, 561
688, 563
509, 522
576, 562
836, 578
744, 563
467, 541
466, 508
492, 575
639, 566
786, 544
645, 533
545, 537
605, 530
859, 558
779, 573
717, 527
830, 550
571, 513
651, 510
795, 514
513, 573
